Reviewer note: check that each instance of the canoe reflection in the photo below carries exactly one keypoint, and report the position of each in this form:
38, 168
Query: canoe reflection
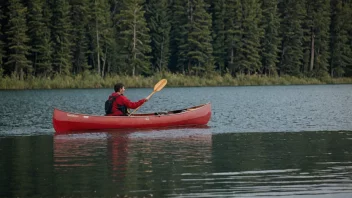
127, 131
117, 153
114, 155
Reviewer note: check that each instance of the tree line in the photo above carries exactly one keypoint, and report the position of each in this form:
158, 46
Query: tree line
44, 38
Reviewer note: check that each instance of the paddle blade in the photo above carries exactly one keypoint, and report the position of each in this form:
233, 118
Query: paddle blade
160, 85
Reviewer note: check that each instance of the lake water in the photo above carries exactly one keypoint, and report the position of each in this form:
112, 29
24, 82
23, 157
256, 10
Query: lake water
262, 141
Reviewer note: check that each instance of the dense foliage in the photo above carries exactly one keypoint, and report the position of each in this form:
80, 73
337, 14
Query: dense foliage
302, 38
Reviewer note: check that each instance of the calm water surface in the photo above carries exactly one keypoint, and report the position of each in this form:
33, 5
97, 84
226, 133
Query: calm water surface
287, 141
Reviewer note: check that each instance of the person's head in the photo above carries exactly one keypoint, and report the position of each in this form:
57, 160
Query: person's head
119, 87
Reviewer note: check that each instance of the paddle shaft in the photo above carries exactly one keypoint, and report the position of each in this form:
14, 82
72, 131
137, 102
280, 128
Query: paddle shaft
150, 95
160, 85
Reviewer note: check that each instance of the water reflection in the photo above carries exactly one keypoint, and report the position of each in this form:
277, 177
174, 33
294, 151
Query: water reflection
138, 163
198, 164
118, 156
284, 164
78, 150
177, 163
72, 152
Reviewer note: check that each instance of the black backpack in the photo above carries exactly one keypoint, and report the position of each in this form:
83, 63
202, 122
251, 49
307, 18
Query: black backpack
108, 104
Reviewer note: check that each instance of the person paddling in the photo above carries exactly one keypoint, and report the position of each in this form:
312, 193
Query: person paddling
118, 104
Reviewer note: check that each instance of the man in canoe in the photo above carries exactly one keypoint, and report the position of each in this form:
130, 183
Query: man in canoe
118, 104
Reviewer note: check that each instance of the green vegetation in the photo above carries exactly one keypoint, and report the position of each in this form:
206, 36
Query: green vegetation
56, 43
89, 80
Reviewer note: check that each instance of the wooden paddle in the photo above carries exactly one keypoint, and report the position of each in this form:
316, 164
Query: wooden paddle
158, 86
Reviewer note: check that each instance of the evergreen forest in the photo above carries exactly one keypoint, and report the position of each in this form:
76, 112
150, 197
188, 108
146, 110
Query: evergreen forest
299, 38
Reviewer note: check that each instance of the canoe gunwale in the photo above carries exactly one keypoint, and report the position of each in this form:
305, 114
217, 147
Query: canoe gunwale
138, 115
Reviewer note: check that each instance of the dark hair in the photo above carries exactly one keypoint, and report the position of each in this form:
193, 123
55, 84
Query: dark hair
118, 86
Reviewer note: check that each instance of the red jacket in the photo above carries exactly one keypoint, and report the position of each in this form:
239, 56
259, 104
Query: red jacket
123, 101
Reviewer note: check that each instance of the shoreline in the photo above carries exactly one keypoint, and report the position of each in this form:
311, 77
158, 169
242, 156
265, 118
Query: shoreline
88, 81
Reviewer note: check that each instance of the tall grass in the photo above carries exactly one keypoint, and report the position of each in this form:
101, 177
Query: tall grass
89, 80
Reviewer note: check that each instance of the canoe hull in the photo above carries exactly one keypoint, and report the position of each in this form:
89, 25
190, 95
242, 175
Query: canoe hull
65, 122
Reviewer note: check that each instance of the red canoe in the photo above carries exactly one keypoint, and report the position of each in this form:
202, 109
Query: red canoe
65, 122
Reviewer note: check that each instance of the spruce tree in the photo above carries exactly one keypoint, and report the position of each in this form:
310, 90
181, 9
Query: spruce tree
80, 17
62, 39
159, 24
2, 52
18, 39
134, 37
291, 53
102, 32
348, 69
115, 62
250, 61
178, 36
218, 35
316, 26
198, 47
39, 32
271, 41
340, 45
233, 35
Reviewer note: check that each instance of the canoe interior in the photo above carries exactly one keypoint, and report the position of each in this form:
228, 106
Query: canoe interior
169, 112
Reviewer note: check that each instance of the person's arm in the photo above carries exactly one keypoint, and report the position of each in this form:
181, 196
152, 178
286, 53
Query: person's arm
132, 105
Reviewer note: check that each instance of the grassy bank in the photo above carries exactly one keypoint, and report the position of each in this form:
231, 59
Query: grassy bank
174, 80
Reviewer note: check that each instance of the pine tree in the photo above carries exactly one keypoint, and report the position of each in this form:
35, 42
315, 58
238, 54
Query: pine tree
291, 54
252, 34
62, 39
271, 40
340, 45
198, 47
219, 45
178, 35
317, 29
159, 25
39, 32
18, 40
80, 17
134, 37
